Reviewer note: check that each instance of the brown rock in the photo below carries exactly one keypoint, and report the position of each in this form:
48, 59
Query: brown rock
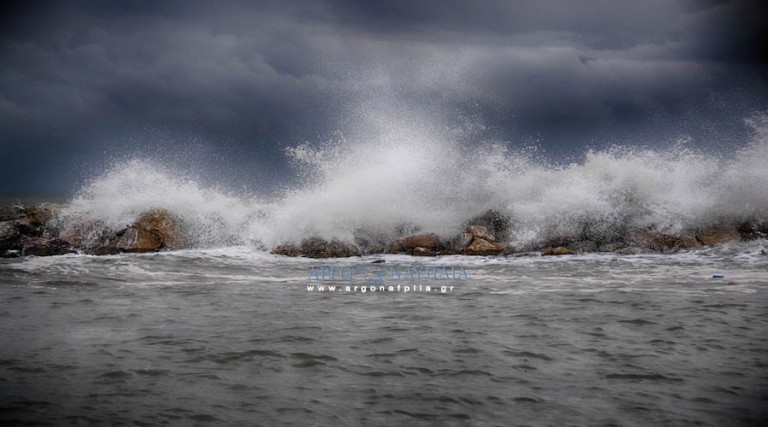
43, 213
43, 246
419, 251
10, 236
164, 225
717, 236
583, 246
429, 241
86, 235
136, 239
288, 249
461, 242
480, 232
394, 247
660, 242
560, 250
317, 247
611, 247
483, 247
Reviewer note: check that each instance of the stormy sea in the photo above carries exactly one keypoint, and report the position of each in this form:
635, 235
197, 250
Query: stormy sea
220, 330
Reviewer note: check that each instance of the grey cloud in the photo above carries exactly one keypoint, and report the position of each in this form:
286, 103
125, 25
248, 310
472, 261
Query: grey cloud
245, 79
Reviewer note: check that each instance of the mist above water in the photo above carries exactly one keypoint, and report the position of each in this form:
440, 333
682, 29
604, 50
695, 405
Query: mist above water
404, 174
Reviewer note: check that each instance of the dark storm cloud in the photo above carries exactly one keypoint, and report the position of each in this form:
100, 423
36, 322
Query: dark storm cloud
237, 81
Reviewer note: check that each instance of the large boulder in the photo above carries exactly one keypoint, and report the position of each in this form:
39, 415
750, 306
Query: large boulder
428, 241
497, 224
287, 249
719, 235
317, 247
45, 246
164, 225
136, 239
661, 242
10, 237
480, 232
559, 250
42, 214
461, 242
583, 246
483, 247
87, 235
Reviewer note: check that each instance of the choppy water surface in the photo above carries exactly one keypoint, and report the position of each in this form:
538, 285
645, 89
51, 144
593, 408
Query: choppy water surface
233, 336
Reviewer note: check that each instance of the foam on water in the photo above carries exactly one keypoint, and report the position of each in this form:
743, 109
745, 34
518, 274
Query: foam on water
406, 175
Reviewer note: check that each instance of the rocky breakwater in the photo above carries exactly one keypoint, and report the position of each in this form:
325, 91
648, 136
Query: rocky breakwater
41, 231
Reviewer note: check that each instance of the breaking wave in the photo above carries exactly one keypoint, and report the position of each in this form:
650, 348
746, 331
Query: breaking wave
407, 177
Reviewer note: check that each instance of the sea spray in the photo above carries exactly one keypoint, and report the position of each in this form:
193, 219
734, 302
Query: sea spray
413, 179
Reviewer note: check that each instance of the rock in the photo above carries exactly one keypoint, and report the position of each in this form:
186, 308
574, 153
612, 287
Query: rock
10, 236
611, 247
135, 239
86, 235
719, 235
317, 247
480, 232
43, 213
583, 246
429, 241
394, 247
460, 242
661, 242
559, 250
164, 225
483, 247
44, 246
287, 249
498, 224
10, 213
419, 251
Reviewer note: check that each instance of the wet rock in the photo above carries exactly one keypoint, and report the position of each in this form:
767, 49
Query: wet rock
483, 247
394, 247
660, 242
87, 235
497, 224
287, 249
43, 213
419, 251
10, 213
429, 241
719, 235
317, 247
164, 225
461, 242
135, 239
10, 236
559, 250
583, 246
611, 247
44, 246
480, 232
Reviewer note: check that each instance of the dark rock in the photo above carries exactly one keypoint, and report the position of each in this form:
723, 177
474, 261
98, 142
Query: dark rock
164, 225
718, 235
661, 242
135, 239
394, 247
317, 247
611, 247
429, 241
43, 213
43, 246
583, 246
10, 213
559, 250
287, 249
10, 236
483, 247
419, 251
460, 242
480, 232
498, 224
88, 235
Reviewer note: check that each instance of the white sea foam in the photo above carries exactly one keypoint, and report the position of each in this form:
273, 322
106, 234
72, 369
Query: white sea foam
435, 179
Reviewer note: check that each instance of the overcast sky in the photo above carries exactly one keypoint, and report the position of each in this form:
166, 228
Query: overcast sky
224, 86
